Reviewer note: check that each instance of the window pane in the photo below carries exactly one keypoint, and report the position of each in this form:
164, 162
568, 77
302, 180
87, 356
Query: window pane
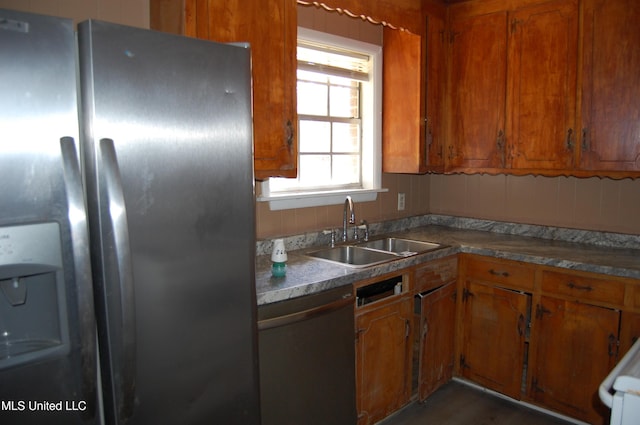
344, 102
312, 99
346, 137
315, 136
346, 169
314, 170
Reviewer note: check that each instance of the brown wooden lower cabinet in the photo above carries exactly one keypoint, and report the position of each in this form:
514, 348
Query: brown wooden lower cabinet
383, 356
544, 335
548, 337
575, 346
436, 355
494, 336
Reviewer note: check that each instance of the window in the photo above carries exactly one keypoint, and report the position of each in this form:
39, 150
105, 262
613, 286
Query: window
339, 110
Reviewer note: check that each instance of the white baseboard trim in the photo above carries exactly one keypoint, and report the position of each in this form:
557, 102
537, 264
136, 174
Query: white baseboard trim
519, 402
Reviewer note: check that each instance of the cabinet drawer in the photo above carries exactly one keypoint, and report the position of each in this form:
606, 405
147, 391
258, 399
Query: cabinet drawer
503, 272
583, 287
436, 273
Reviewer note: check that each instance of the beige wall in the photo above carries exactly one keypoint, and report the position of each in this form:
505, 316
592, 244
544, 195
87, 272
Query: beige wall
128, 12
296, 221
594, 203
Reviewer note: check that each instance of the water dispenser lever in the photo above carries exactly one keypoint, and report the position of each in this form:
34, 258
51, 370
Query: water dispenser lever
15, 290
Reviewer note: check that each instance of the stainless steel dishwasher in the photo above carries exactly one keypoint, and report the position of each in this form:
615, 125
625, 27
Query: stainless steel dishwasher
307, 360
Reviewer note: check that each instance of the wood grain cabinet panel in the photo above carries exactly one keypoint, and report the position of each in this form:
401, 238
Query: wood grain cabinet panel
478, 55
584, 288
610, 135
270, 27
506, 273
437, 334
436, 273
543, 53
435, 289
575, 347
494, 331
413, 95
403, 107
435, 93
383, 359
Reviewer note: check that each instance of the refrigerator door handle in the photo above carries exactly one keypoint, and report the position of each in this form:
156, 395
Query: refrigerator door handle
82, 272
116, 212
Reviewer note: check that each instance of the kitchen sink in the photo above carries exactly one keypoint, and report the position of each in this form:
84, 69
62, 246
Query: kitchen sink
353, 256
373, 252
399, 246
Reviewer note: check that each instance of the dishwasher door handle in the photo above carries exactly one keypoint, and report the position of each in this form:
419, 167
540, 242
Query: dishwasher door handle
299, 316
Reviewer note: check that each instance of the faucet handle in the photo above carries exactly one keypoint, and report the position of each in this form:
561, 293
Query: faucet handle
363, 223
332, 232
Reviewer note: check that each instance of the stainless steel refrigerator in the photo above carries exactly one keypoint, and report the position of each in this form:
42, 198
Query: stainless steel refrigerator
127, 227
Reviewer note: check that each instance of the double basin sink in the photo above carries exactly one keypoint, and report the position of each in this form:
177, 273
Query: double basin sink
373, 252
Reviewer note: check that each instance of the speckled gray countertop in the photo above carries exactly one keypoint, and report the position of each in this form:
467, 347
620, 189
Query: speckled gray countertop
608, 253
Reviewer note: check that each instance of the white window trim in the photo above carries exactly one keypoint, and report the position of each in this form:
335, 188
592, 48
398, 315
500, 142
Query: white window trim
372, 183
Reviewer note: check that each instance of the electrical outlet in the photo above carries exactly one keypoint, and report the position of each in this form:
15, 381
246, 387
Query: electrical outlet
400, 201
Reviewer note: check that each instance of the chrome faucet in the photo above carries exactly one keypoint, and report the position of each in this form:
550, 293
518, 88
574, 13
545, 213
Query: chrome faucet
348, 205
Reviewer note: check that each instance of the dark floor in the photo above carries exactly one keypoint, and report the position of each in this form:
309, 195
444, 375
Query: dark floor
459, 404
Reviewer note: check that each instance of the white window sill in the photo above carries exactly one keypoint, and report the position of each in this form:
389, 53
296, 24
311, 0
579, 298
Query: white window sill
317, 199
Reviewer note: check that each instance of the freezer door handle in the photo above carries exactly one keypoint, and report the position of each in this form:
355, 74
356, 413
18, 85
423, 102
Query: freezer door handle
77, 216
116, 240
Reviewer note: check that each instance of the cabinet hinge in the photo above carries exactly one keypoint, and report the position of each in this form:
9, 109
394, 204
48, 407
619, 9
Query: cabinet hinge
501, 147
540, 310
466, 294
614, 346
289, 135
514, 25
463, 363
407, 328
442, 36
534, 386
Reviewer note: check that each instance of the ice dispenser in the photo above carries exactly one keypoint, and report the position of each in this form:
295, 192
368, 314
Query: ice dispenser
33, 313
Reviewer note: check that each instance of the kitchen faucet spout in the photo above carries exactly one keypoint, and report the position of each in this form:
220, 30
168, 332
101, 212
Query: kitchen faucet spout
348, 206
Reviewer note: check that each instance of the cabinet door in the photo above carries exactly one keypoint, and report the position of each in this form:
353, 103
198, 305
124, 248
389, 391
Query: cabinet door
437, 337
383, 360
478, 90
611, 85
434, 120
494, 333
270, 28
543, 51
575, 348
403, 127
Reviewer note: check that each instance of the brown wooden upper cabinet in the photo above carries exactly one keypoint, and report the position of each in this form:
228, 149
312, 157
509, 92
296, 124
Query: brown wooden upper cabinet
478, 52
270, 26
403, 107
413, 87
513, 88
533, 91
541, 86
610, 133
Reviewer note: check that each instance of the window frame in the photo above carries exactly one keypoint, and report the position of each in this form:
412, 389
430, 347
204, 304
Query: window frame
371, 110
